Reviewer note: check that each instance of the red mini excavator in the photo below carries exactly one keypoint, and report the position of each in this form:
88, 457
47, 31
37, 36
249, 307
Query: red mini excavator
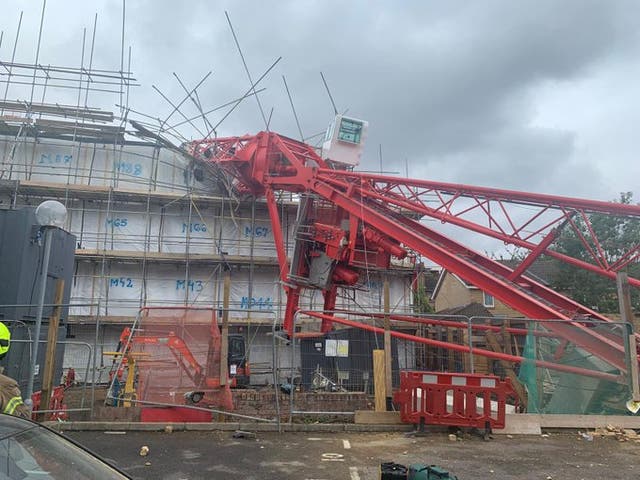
160, 347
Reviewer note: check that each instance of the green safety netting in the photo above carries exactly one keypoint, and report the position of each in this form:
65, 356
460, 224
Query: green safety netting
556, 392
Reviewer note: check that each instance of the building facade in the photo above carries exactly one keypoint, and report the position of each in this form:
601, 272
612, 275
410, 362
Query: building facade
154, 227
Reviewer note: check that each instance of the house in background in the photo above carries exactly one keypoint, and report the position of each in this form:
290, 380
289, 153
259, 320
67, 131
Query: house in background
453, 296
451, 291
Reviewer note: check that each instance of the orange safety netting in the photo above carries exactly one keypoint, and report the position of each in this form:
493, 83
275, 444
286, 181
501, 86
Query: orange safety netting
179, 352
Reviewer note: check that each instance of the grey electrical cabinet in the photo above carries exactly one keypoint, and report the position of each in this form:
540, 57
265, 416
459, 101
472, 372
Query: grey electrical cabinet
21, 262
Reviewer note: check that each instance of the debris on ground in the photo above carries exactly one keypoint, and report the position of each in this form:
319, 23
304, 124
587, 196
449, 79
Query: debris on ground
619, 433
243, 434
144, 451
586, 436
286, 388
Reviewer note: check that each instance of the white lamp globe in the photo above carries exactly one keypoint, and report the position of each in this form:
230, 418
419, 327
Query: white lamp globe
51, 213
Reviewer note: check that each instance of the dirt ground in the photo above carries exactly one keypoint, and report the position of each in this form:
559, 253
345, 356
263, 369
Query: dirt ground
350, 456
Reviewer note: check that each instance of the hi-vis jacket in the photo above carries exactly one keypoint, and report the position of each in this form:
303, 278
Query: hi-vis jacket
10, 398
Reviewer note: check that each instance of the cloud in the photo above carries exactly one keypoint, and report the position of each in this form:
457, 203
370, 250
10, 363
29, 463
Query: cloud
465, 91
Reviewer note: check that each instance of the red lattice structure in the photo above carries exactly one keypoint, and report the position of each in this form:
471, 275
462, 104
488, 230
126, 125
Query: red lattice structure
348, 219
179, 354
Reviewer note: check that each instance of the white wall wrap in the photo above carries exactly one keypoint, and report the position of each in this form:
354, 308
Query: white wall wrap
262, 296
132, 166
168, 285
128, 227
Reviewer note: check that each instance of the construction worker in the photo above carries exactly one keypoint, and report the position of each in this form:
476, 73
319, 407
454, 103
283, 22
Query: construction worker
10, 398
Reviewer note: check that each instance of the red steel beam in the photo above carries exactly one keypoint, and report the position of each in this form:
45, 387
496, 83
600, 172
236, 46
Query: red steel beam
534, 254
461, 324
567, 306
276, 226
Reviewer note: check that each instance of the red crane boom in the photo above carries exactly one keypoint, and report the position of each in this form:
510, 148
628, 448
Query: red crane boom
347, 220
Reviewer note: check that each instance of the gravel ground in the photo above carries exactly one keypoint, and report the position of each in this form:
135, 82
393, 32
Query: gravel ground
350, 456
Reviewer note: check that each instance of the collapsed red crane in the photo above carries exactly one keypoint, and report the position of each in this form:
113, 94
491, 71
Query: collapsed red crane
348, 220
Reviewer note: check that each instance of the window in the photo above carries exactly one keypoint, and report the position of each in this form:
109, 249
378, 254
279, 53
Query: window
350, 131
487, 300
329, 134
71, 331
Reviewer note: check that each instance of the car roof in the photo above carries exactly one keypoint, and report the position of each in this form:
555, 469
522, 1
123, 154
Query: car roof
10, 425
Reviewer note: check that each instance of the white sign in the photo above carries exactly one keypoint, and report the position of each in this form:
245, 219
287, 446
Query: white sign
336, 348
343, 348
330, 348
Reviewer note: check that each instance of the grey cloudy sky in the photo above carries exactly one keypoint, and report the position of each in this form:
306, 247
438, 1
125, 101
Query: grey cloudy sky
532, 95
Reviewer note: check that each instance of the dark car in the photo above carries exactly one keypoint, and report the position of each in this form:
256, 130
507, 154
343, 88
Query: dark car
29, 450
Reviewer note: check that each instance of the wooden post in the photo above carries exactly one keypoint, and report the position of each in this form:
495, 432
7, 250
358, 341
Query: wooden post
493, 344
379, 381
506, 336
50, 354
624, 300
224, 342
626, 314
388, 372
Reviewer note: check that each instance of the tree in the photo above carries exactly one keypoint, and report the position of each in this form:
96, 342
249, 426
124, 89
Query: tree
616, 235
421, 302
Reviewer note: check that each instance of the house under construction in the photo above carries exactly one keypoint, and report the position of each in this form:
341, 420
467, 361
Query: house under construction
154, 226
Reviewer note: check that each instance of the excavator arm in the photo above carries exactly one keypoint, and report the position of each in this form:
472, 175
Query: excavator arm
176, 346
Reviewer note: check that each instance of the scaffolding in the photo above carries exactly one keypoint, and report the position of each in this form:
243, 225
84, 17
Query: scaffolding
154, 226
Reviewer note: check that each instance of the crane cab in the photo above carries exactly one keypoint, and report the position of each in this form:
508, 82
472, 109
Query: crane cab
344, 141
237, 360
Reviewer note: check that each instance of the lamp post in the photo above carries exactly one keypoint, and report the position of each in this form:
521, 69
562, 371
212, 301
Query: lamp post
50, 214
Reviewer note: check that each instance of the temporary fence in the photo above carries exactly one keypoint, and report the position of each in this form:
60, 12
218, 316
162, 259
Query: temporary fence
329, 376
555, 375
549, 374
79, 394
171, 353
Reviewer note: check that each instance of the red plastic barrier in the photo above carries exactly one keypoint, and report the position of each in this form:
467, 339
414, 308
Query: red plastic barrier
55, 403
456, 399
